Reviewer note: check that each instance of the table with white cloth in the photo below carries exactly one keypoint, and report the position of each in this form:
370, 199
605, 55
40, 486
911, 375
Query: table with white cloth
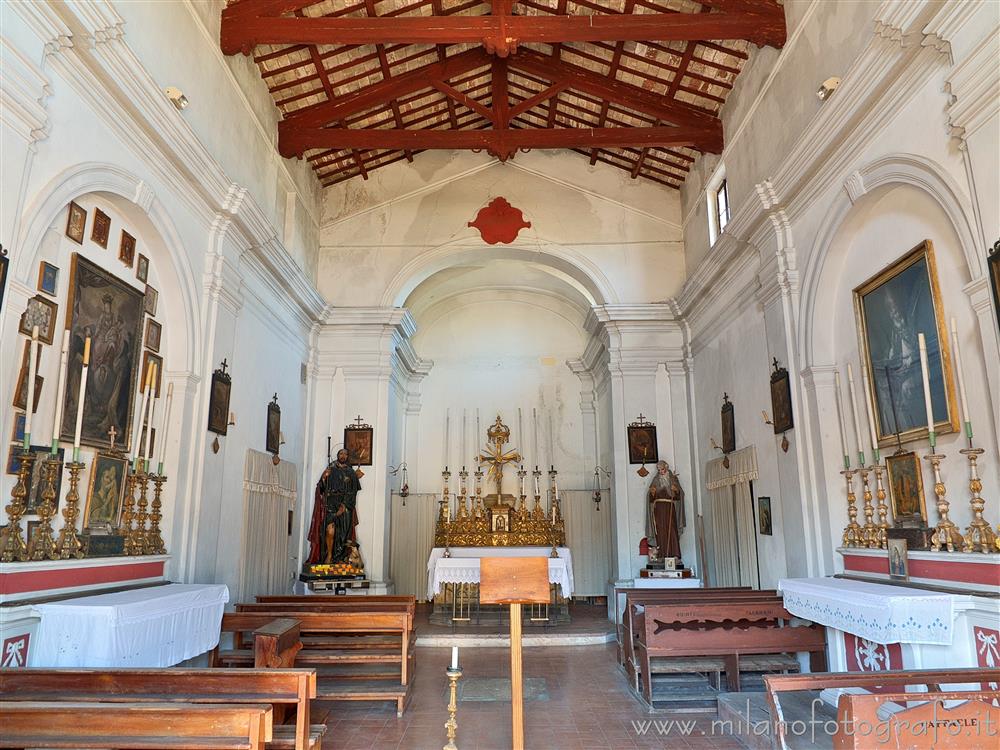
154, 626
453, 582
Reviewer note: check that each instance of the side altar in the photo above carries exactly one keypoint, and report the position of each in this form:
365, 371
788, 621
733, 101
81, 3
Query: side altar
498, 524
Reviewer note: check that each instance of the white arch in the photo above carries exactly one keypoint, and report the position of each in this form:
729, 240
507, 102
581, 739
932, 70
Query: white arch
99, 177
876, 177
554, 255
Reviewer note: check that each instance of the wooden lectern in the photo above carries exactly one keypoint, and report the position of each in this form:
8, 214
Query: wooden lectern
514, 581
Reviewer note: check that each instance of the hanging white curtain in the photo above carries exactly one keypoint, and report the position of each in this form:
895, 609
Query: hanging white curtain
734, 534
411, 538
268, 494
588, 536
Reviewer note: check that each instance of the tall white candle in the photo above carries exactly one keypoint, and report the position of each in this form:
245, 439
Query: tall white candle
552, 450
871, 419
478, 436
925, 373
520, 433
153, 401
164, 426
57, 419
537, 489
465, 436
454, 657
137, 432
80, 399
961, 381
29, 403
840, 417
857, 417
534, 445
447, 435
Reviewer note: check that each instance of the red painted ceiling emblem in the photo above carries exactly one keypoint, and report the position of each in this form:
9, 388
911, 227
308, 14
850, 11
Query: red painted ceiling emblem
499, 222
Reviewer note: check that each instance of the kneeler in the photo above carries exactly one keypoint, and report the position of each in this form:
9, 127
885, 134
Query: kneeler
514, 581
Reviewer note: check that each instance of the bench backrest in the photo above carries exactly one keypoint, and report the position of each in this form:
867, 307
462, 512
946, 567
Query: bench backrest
320, 622
31, 723
339, 598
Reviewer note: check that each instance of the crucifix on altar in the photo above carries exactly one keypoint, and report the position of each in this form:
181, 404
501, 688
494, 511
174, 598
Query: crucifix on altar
496, 456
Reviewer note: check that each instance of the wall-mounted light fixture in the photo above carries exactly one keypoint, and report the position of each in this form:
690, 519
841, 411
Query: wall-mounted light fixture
176, 97
826, 89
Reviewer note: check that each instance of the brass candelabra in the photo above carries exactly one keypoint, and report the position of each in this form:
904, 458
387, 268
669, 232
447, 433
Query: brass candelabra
869, 532
852, 532
154, 538
69, 544
12, 544
945, 534
42, 545
126, 527
979, 535
451, 726
882, 535
141, 514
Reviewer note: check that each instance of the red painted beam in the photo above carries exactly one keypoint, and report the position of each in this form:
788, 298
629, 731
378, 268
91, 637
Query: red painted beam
501, 143
500, 34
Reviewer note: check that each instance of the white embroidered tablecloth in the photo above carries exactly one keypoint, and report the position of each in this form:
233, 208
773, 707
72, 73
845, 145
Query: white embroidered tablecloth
463, 565
156, 626
875, 611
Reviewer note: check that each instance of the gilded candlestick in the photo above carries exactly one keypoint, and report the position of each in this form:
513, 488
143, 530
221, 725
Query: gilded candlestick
42, 545
154, 537
979, 536
69, 544
882, 537
945, 534
12, 544
451, 726
869, 532
852, 532
141, 516
126, 526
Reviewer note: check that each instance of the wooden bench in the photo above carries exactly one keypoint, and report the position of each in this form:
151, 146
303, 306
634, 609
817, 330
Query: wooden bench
354, 680
179, 726
917, 719
729, 630
273, 688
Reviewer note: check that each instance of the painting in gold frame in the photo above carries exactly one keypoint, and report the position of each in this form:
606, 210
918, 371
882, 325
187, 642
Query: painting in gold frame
891, 309
108, 477
904, 475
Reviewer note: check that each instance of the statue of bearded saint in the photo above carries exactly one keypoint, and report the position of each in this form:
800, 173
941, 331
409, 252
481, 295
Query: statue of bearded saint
665, 516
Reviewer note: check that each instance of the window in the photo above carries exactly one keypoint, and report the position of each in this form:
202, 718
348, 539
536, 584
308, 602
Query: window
717, 193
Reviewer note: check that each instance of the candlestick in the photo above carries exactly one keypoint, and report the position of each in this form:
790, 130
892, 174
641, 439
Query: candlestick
869, 532
924, 372
979, 536
81, 397
69, 544
126, 526
852, 532
945, 534
60, 387
961, 382
854, 412
871, 419
882, 535
165, 426
29, 403
42, 545
451, 725
12, 545
840, 418
154, 538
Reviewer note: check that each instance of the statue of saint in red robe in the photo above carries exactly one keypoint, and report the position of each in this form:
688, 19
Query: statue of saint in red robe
332, 533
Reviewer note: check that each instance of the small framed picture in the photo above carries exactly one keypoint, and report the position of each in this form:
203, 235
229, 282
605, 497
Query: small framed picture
899, 566
21, 388
152, 297
76, 223
358, 442
48, 278
102, 228
142, 268
153, 331
148, 357
272, 438
40, 312
764, 515
642, 447
104, 495
30, 531
34, 499
906, 490
14, 459
17, 434
781, 399
126, 250
670, 563
218, 404
728, 425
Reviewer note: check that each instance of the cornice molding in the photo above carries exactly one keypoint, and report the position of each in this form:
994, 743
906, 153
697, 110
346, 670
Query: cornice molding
974, 85
24, 87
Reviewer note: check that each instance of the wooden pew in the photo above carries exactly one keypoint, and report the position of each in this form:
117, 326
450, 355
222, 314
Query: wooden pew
917, 719
277, 688
726, 629
335, 623
178, 726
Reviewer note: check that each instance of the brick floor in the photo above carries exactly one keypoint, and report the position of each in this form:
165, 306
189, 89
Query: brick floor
589, 708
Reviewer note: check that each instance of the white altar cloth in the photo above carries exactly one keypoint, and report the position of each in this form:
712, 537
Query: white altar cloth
880, 613
463, 565
155, 626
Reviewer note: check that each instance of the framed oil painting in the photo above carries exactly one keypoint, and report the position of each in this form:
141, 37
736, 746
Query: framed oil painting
40, 312
21, 387
4, 263
108, 477
218, 404
126, 250
358, 442
76, 223
272, 438
48, 278
152, 297
102, 228
14, 459
147, 358
781, 399
642, 447
17, 434
108, 310
906, 490
764, 516
899, 566
142, 268
892, 308
728, 425
153, 331
36, 484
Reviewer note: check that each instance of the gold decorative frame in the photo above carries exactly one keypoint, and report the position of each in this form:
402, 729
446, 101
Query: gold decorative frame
105, 526
924, 251
892, 464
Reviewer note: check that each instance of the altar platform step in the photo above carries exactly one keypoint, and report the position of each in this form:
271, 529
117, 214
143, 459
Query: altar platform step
747, 717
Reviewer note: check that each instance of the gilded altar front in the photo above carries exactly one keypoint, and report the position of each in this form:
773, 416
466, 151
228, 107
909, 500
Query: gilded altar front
481, 523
